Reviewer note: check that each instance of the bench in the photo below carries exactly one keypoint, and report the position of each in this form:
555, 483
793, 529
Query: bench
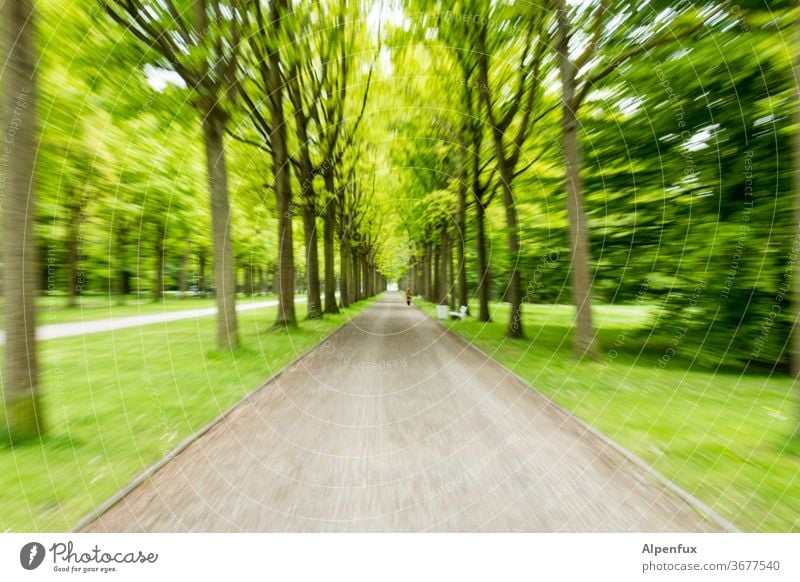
460, 314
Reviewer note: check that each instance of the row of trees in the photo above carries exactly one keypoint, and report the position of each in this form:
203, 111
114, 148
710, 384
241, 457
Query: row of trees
662, 137
133, 97
502, 60
653, 136
537, 150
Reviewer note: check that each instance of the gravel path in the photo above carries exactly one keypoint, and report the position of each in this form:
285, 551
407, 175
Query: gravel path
396, 425
57, 330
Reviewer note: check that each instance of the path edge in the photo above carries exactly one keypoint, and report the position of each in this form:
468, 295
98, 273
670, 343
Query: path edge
98, 511
702, 508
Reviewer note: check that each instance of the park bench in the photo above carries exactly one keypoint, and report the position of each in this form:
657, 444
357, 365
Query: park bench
460, 314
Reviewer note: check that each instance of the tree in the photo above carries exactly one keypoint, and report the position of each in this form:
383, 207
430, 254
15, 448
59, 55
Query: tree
475, 169
263, 80
576, 84
202, 47
795, 338
508, 143
22, 418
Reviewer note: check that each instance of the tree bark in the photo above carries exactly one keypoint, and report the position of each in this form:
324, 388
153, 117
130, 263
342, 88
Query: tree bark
344, 262
365, 275
425, 292
426, 273
308, 201
356, 276
796, 276
483, 266
461, 220
283, 192
23, 413
314, 301
328, 231
452, 283
224, 274
584, 339
444, 260
515, 329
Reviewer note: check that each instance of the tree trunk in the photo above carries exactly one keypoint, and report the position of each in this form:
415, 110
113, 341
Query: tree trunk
308, 201
452, 283
443, 262
483, 266
424, 292
356, 276
583, 343
461, 219
424, 273
328, 230
584, 339
796, 284
283, 193
344, 262
314, 301
262, 281
23, 415
436, 275
369, 282
515, 330
224, 274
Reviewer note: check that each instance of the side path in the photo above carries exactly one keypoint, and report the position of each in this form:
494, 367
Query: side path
57, 330
396, 425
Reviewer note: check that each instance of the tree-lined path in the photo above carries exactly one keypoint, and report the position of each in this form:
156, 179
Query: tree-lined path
394, 424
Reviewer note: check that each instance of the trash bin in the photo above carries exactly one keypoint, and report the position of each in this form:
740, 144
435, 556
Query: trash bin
442, 311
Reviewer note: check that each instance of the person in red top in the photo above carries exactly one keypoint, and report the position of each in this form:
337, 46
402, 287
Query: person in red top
408, 297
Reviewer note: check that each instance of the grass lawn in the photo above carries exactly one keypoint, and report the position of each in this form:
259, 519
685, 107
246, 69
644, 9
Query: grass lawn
117, 402
724, 437
53, 309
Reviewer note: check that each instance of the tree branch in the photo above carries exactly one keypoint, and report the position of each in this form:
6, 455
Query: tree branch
259, 145
635, 51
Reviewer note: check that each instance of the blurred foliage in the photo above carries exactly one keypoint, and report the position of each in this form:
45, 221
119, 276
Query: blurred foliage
687, 161
687, 169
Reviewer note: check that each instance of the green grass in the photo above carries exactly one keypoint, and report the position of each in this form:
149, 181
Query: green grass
53, 309
724, 437
116, 404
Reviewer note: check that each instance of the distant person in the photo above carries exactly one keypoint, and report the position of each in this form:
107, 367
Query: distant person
408, 297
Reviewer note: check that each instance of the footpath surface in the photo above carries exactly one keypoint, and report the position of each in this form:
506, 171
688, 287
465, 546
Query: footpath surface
396, 425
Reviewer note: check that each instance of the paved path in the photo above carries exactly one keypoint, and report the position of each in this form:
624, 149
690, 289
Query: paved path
397, 425
57, 330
